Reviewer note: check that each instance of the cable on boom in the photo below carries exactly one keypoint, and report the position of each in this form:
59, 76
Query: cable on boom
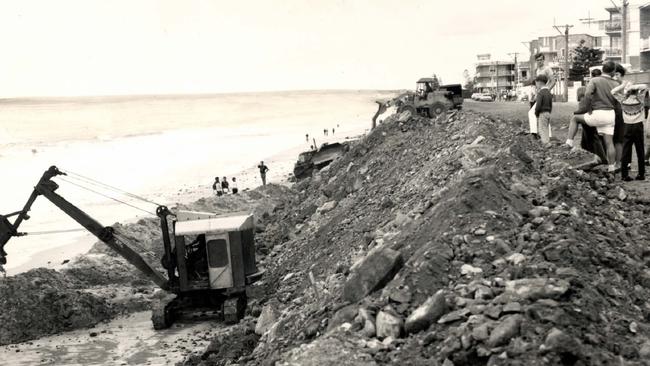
107, 196
108, 186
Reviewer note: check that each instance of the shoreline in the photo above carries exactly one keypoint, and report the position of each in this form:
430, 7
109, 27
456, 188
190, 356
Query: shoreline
281, 168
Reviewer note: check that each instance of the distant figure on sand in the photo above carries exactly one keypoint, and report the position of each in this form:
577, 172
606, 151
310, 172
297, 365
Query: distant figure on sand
263, 169
234, 186
325, 131
307, 137
225, 186
216, 187
332, 131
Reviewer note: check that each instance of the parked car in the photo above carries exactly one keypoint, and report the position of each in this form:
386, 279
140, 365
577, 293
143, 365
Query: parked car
475, 96
485, 98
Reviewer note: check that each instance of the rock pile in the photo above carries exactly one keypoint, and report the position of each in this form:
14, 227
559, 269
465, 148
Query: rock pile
457, 241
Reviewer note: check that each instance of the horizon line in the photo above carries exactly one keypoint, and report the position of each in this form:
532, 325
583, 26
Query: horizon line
150, 95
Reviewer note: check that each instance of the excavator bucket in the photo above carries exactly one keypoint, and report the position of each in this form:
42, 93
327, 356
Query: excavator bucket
6, 232
381, 108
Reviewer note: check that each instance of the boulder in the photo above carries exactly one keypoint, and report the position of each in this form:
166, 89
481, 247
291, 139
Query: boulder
427, 313
389, 325
266, 319
508, 328
372, 273
367, 321
327, 207
561, 343
537, 288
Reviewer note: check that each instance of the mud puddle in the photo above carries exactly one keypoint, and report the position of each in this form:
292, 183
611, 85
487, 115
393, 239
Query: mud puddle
129, 340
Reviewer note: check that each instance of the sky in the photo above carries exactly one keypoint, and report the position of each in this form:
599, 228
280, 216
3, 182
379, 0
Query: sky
118, 47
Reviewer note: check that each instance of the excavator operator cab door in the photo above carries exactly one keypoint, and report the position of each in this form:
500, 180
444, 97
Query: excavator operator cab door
229, 254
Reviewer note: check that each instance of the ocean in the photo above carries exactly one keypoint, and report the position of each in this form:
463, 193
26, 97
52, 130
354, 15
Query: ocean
167, 149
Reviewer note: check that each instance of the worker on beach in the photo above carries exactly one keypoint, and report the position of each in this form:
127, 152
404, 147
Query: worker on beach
225, 186
263, 169
307, 137
234, 186
216, 187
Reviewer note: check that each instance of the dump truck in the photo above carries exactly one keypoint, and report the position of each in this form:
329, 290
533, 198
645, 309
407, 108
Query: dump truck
209, 258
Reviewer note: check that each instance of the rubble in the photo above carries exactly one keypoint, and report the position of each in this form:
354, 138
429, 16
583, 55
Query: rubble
518, 241
444, 248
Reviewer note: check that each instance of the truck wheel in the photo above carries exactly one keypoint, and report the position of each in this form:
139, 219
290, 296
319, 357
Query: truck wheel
437, 109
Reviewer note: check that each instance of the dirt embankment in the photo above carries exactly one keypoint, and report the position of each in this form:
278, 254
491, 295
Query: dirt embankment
454, 242
101, 285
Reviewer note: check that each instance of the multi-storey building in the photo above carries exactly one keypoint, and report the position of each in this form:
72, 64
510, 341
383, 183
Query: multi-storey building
494, 76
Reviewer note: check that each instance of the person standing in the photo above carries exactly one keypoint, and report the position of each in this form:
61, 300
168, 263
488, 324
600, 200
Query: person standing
225, 186
216, 187
542, 69
234, 186
598, 111
543, 108
619, 124
263, 169
633, 117
307, 137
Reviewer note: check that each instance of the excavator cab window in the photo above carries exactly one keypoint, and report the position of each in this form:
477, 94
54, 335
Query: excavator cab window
196, 257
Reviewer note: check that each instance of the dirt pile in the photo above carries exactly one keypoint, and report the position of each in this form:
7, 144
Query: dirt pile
507, 255
43, 301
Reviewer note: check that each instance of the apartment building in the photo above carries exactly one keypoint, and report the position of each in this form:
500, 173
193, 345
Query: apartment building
493, 76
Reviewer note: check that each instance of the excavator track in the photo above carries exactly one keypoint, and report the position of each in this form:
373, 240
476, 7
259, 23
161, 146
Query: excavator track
162, 313
234, 308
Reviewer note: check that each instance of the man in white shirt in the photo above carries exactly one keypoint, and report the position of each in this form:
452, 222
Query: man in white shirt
542, 69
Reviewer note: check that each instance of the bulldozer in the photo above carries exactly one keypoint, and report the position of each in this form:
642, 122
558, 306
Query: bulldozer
317, 159
209, 258
428, 100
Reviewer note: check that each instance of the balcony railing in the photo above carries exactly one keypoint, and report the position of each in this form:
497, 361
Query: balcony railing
613, 52
645, 44
613, 27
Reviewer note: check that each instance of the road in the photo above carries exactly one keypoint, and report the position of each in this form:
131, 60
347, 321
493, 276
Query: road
560, 116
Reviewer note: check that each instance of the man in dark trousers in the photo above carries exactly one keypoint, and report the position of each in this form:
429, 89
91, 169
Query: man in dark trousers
263, 169
543, 108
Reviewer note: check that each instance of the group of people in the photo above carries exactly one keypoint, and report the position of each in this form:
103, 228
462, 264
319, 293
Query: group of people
223, 187
611, 114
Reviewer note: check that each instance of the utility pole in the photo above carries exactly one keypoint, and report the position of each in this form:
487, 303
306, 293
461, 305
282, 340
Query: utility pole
516, 67
566, 59
588, 19
623, 11
624, 31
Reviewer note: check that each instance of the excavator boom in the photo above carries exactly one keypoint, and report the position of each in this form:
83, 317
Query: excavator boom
46, 188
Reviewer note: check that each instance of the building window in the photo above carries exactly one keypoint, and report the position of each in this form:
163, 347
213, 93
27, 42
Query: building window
524, 74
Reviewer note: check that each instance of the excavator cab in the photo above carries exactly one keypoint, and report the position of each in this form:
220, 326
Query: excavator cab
215, 252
